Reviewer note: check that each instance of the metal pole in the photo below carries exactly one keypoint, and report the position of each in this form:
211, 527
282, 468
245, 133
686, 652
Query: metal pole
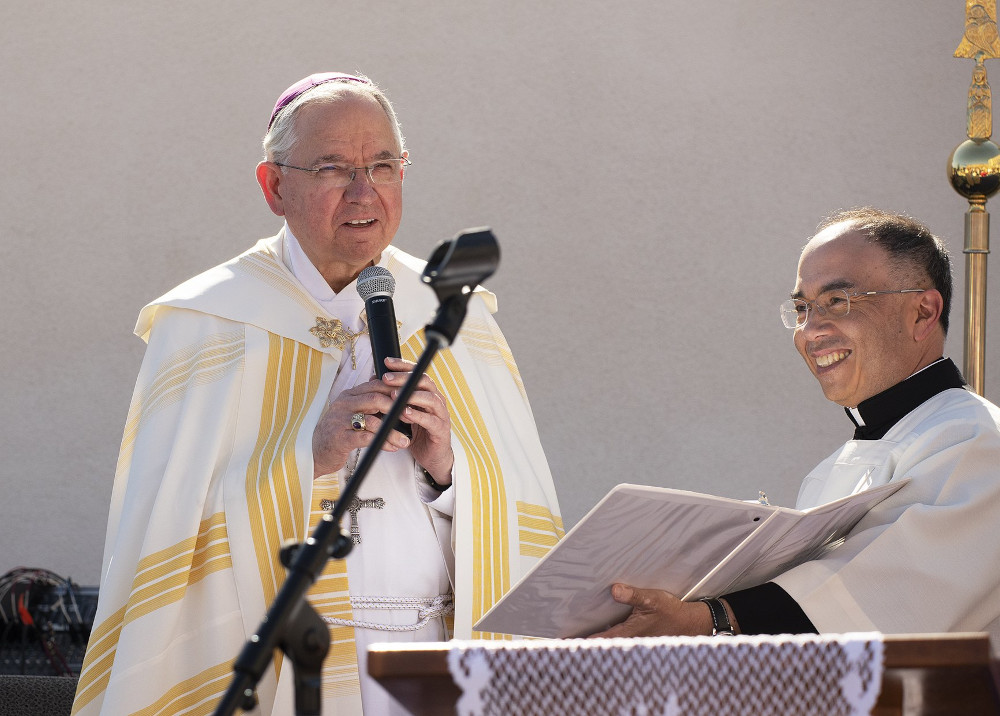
977, 246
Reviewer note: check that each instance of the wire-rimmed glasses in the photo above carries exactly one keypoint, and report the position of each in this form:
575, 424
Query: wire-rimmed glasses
383, 171
835, 302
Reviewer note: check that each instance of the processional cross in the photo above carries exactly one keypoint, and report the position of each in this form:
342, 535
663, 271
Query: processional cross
974, 171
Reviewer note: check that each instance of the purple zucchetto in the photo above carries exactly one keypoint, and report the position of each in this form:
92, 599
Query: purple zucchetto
307, 84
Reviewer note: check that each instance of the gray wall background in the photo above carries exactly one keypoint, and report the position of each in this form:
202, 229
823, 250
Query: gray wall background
651, 169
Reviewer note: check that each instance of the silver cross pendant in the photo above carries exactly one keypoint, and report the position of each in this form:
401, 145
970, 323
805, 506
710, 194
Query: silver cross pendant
356, 504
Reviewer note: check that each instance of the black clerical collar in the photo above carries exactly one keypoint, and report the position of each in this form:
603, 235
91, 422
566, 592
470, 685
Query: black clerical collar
873, 417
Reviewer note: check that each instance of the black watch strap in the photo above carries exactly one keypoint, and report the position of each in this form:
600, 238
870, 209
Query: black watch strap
430, 481
720, 618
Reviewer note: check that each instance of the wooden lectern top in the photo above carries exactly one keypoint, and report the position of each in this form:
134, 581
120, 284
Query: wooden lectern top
925, 674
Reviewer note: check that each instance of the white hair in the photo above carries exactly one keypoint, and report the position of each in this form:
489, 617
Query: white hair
281, 136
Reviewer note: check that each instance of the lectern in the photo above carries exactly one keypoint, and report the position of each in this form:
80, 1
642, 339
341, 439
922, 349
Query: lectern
925, 674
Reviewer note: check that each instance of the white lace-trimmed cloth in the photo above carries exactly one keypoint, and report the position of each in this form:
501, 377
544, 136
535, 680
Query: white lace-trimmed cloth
831, 674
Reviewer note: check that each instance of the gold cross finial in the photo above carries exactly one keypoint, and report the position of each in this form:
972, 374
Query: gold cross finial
980, 40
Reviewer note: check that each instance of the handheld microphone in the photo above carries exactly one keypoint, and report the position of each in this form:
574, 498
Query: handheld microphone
376, 286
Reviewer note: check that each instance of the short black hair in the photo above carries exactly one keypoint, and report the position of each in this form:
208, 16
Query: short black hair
908, 242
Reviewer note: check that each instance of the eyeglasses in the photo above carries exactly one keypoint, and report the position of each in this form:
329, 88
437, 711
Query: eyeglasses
384, 171
836, 303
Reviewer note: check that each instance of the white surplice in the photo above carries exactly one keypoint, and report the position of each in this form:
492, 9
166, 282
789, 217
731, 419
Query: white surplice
927, 559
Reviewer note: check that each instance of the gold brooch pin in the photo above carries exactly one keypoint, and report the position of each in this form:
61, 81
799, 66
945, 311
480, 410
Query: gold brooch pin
331, 332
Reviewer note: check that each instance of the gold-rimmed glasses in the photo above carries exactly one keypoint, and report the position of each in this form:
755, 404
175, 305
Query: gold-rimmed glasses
835, 302
383, 171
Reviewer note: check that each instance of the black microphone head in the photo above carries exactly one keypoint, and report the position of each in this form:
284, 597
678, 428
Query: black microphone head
375, 281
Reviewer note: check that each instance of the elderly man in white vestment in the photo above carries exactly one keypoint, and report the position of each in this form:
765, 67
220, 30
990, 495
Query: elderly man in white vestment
870, 314
255, 398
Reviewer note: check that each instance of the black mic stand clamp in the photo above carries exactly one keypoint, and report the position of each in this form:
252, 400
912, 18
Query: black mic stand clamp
454, 270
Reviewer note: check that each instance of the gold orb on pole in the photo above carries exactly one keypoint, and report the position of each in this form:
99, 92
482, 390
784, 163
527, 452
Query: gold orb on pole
974, 170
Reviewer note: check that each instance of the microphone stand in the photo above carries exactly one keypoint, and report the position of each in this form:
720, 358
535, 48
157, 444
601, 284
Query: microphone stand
455, 268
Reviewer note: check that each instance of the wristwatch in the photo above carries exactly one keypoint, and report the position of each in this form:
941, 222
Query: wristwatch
720, 618
432, 482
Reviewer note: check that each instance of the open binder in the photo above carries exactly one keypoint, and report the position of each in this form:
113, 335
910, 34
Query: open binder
687, 543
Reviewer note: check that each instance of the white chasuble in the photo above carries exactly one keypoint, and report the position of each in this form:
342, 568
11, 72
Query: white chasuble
215, 473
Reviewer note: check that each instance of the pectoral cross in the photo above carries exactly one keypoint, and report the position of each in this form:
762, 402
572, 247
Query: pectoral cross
356, 504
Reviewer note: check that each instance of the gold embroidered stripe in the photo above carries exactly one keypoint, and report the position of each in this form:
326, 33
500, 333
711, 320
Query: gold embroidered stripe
529, 537
537, 523
330, 605
100, 655
530, 510
539, 529
340, 669
538, 517
98, 675
161, 578
172, 590
490, 538
273, 493
479, 341
330, 581
487, 343
529, 550
194, 366
269, 270
196, 696
219, 355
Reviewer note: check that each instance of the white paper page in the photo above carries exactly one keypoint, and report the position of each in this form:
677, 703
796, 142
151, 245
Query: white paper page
645, 536
744, 557
819, 527
803, 539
